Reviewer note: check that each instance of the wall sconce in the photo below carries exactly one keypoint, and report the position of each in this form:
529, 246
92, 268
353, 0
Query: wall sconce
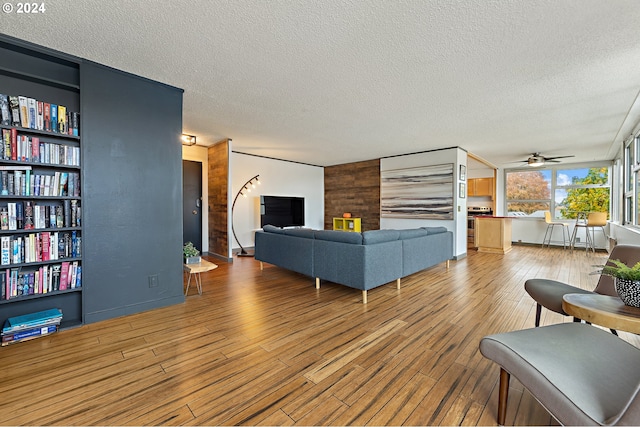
188, 139
246, 188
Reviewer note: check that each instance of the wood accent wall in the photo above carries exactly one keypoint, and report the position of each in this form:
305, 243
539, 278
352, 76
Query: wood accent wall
354, 188
218, 174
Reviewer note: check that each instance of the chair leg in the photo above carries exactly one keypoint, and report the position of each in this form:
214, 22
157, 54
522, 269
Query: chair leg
538, 312
503, 396
590, 243
572, 241
544, 239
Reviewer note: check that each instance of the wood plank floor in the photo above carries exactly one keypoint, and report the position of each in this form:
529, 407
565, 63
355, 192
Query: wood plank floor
267, 348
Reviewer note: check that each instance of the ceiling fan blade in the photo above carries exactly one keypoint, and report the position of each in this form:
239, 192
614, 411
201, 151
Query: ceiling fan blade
556, 157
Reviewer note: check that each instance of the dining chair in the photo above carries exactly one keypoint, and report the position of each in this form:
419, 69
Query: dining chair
548, 293
551, 224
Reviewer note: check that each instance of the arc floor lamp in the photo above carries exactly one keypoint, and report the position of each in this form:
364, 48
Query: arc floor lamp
246, 188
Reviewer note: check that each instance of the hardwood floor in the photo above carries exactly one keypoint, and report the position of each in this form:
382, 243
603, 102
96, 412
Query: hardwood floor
267, 348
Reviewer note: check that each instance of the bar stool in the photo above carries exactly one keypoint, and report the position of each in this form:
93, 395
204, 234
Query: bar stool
551, 224
596, 219
581, 222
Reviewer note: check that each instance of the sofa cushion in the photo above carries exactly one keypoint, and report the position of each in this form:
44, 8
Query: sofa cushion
372, 237
435, 230
307, 233
273, 229
339, 236
412, 233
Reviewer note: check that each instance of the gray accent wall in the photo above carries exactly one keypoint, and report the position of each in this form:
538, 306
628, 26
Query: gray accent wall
132, 193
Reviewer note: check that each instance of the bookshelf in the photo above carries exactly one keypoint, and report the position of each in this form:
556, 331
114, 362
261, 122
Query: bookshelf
40, 187
347, 224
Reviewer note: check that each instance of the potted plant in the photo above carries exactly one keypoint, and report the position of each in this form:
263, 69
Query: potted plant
626, 280
191, 254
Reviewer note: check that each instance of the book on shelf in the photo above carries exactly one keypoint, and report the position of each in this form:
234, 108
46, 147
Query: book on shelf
13, 146
19, 215
28, 334
62, 119
11, 212
14, 105
24, 111
5, 110
75, 123
32, 107
55, 276
30, 320
73, 277
28, 215
5, 250
54, 118
47, 117
40, 115
64, 275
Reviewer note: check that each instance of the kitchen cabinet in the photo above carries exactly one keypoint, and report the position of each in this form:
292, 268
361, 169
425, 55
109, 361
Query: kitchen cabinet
481, 187
493, 234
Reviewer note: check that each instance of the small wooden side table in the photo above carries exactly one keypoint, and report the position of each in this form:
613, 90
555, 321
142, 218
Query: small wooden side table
603, 310
194, 270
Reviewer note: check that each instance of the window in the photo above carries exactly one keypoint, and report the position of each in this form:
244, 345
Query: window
631, 181
528, 192
561, 190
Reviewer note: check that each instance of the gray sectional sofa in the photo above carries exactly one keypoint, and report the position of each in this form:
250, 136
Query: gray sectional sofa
358, 260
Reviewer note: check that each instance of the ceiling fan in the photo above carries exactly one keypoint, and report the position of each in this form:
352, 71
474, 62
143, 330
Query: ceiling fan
536, 159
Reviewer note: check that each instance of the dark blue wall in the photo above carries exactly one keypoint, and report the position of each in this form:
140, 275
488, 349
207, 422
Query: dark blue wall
132, 192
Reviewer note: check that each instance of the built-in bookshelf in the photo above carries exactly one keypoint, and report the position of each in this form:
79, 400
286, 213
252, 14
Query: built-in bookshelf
40, 185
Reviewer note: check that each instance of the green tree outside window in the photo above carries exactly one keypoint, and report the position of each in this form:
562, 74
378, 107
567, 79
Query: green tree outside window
587, 199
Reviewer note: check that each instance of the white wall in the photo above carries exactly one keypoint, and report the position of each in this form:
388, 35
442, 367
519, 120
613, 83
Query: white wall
459, 224
278, 178
200, 154
532, 230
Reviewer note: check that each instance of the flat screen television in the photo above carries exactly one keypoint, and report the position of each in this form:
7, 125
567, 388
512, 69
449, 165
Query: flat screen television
281, 211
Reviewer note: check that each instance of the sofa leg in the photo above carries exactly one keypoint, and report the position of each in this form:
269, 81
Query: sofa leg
364, 297
261, 266
503, 396
317, 283
447, 264
398, 283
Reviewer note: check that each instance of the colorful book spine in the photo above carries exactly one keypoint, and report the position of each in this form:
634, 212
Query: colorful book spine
47, 117
54, 118
24, 111
62, 119
15, 337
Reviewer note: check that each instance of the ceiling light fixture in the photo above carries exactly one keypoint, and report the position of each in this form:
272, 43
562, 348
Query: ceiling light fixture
188, 139
535, 161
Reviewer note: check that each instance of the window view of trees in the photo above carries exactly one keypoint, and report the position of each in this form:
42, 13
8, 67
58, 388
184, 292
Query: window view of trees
529, 193
587, 199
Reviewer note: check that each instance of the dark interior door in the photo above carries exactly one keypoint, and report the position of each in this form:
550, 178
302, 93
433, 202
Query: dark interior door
192, 203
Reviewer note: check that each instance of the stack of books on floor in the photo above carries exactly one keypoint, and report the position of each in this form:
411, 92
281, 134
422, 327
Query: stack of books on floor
29, 326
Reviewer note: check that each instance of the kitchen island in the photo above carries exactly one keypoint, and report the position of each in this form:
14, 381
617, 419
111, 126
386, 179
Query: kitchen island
493, 234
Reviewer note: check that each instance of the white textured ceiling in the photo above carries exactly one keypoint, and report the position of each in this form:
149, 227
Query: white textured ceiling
336, 81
